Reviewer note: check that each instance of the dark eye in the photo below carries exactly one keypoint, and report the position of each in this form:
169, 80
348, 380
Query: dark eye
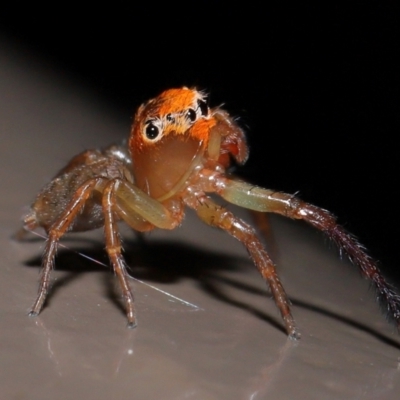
170, 118
151, 131
191, 114
203, 107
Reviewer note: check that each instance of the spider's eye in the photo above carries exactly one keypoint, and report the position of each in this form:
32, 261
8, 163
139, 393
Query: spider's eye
191, 114
151, 131
203, 107
170, 118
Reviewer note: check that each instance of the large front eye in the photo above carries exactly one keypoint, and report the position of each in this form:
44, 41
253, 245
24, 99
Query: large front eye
151, 131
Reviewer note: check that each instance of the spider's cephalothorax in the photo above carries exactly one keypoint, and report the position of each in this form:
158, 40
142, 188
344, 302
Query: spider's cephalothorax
177, 155
171, 135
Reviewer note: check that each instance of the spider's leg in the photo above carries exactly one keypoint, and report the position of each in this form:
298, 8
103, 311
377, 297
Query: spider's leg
57, 229
113, 248
218, 216
263, 225
265, 200
141, 212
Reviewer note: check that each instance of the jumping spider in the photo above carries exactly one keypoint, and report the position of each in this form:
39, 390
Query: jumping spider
177, 154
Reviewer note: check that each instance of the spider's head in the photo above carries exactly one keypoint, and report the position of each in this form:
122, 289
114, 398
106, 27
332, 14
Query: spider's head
168, 133
176, 114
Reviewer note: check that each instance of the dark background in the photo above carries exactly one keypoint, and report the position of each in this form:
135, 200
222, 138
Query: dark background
316, 87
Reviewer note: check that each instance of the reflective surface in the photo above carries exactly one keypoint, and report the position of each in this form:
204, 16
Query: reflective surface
231, 347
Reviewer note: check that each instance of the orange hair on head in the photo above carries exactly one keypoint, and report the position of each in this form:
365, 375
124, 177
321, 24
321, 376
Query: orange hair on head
176, 100
201, 129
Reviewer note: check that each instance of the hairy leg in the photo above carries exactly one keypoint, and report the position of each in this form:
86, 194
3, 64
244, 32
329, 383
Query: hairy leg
113, 248
218, 216
57, 229
265, 200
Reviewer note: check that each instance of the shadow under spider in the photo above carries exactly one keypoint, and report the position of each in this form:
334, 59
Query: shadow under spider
152, 261
171, 261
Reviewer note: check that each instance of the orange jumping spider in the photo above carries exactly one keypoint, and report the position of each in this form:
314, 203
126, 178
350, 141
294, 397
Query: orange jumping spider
178, 153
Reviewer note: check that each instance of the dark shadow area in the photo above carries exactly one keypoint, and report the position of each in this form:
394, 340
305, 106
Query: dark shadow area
154, 261
158, 261
348, 321
214, 289
170, 262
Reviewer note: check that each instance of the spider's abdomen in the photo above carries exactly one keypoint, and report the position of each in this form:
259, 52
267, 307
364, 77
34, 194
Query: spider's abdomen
55, 197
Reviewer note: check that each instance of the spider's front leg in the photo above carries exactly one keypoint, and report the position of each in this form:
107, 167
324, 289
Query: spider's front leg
114, 248
56, 230
265, 200
123, 200
119, 200
218, 216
